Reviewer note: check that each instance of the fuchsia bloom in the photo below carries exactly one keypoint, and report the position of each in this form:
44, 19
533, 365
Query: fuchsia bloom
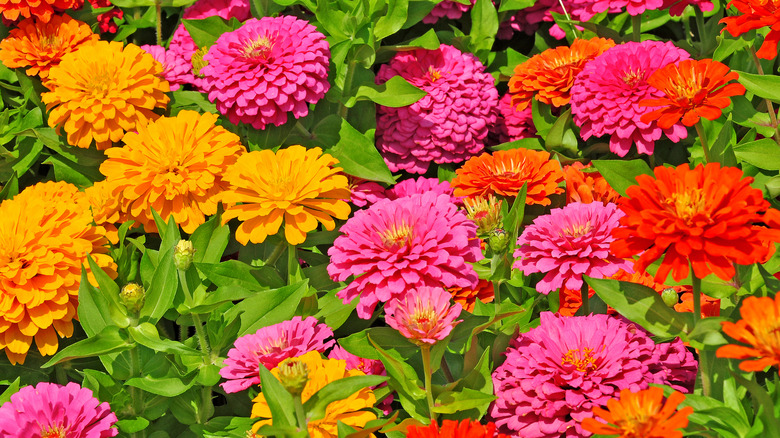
606, 94
568, 243
266, 69
421, 185
175, 69
676, 7
425, 315
450, 123
527, 20
396, 245
513, 124
363, 192
447, 8
269, 346
555, 374
51, 410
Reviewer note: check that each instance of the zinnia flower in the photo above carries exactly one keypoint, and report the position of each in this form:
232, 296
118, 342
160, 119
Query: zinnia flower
693, 89
266, 69
677, 7
550, 75
395, 245
269, 346
102, 90
450, 123
47, 233
367, 366
41, 9
555, 374
453, 429
606, 94
707, 215
424, 315
640, 414
709, 306
587, 186
296, 185
363, 192
504, 172
41, 46
447, 8
49, 410
755, 14
175, 69
176, 166
105, 208
568, 243
512, 124
420, 185
467, 296
757, 329
105, 20
351, 411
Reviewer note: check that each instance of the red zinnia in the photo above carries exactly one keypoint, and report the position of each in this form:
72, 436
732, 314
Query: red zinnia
755, 15
453, 429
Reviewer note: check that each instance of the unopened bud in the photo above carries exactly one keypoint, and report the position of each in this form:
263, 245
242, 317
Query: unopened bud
293, 374
133, 296
182, 255
670, 297
498, 240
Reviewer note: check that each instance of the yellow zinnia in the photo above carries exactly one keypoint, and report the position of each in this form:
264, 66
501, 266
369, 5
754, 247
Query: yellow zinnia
296, 185
322, 372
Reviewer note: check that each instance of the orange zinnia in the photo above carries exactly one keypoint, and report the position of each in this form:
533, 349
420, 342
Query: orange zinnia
41, 46
708, 215
467, 297
694, 89
176, 166
105, 208
42, 9
587, 187
755, 15
551, 73
102, 90
642, 414
758, 328
709, 306
297, 186
504, 173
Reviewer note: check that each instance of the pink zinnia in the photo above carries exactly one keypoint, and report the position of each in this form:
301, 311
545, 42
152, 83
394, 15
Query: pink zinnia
450, 123
568, 243
633, 7
512, 124
447, 8
409, 187
51, 410
266, 69
527, 20
396, 245
175, 70
363, 193
425, 315
606, 94
269, 346
676, 7
556, 373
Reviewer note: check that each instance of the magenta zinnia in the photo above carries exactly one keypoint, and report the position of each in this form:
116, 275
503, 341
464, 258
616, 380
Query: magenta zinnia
425, 315
418, 240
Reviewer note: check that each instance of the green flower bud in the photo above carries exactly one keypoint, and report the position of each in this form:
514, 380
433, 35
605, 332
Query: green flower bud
133, 296
498, 240
670, 297
293, 374
182, 255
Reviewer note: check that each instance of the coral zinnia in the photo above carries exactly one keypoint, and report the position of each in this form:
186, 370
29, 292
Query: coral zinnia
266, 69
414, 241
447, 125
49, 410
102, 90
758, 329
453, 429
504, 173
706, 215
271, 345
47, 233
556, 373
568, 243
550, 75
693, 89
351, 411
425, 315
756, 14
605, 96
467, 296
641, 414
296, 185
41, 46
587, 186
41, 9
176, 166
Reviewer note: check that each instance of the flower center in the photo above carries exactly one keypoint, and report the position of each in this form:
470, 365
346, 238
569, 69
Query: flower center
686, 205
433, 74
631, 77
100, 81
53, 432
686, 86
397, 235
259, 48
272, 346
51, 42
577, 230
423, 318
582, 359
198, 62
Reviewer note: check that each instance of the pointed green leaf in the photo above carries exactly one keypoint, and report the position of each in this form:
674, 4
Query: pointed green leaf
340, 389
110, 340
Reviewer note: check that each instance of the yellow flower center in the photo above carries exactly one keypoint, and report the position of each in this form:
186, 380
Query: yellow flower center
423, 318
685, 86
53, 432
433, 74
686, 205
577, 230
51, 42
582, 360
259, 48
100, 82
631, 77
198, 62
397, 235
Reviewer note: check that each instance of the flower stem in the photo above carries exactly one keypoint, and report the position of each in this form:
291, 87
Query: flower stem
294, 274
136, 395
426, 358
497, 295
158, 29
299, 414
203, 340
343, 110
705, 41
278, 249
585, 292
704, 368
636, 27
769, 107
703, 139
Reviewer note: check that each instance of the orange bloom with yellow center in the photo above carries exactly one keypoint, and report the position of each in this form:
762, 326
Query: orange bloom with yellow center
694, 89
176, 166
550, 74
709, 216
587, 187
504, 173
321, 372
41, 46
102, 90
46, 233
42, 9
759, 328
295, 185
755, 14
642, 414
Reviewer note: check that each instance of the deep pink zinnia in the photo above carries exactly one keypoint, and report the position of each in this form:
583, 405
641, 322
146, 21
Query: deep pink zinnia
363, 192
175, 70
606, 94
527, 20
676, 7
409, 187
512, 124
269, 346
396, 245
447, 8
425, 315
266, 69
450, 123
556, 373
51, 410
568, 243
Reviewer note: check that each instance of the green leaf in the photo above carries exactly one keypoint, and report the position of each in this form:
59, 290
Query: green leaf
621, 174
279, 399
359, 157
428, 40
561, 137
235, 273
110, 291
132, 425
708, 332
403, 378
386, 337
316, 405
760, 153
484, 25
205, 32
110, 340
394, 93
268, 307
94, 308
162, 290
210, 240
766, 86
72, 172
514, 5
164, 386
168, 231
542, 117
721, 150
186, 99
450, 402
11, 390
146, 334
392, 20
10, 188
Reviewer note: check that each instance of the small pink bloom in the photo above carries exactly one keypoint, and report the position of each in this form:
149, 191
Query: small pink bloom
424, 316
513, 124
364, 193
447, 8
421, 185
175, 69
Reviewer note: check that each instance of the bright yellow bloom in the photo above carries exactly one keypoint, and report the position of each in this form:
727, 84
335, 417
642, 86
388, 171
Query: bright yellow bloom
322, 372
102, 90
296, 185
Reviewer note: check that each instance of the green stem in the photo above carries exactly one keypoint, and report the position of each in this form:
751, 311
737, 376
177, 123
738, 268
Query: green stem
446, 369
704, 367
568, 18
703, 139
203, 339
497, 295
426, 357
585, 292
293, 267
136, 395
185, 287
705, 42
158, 29
278, 250
303, 131
343, 110
299, 414
769, 107
636, 27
